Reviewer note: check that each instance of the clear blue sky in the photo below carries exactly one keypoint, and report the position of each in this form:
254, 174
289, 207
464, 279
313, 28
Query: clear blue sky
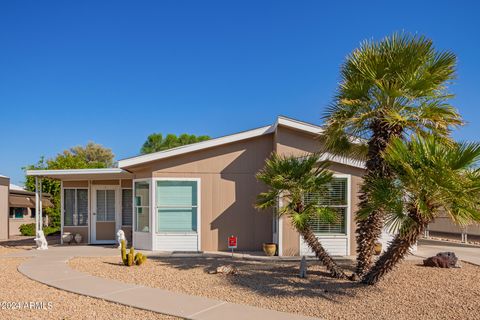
115, 71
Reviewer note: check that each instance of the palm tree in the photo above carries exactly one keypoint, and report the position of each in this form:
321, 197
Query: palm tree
430, 177
390, 88
291, 179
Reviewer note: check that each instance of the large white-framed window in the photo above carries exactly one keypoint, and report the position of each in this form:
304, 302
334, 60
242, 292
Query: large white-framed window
141, 203
336, 197
177, 206
75, 207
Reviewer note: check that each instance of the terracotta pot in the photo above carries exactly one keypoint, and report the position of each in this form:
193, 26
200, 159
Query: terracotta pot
378, 248
78, 238
270, 249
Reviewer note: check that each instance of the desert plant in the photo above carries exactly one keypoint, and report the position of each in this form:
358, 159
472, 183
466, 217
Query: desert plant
131, 258
291, 179
140, 258
123, 251
388, 89
430, 177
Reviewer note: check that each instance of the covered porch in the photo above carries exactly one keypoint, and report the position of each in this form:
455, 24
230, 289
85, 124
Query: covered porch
95, 203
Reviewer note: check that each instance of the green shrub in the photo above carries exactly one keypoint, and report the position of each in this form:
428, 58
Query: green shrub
49, 231
27, 229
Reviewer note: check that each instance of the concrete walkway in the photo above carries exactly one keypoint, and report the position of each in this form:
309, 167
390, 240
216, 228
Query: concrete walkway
468, 253
50, 267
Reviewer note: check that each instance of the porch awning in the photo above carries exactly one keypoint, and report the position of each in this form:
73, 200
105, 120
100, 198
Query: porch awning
81, 174
19, 201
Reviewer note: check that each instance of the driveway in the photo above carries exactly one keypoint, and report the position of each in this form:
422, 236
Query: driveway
428, 248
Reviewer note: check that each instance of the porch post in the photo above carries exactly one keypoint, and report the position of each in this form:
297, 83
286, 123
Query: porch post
37, 203
40, 216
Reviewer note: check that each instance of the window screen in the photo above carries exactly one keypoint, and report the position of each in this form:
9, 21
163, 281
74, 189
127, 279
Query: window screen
336, 198
142, 206
127, 207
75, 207
177, 206
105, 205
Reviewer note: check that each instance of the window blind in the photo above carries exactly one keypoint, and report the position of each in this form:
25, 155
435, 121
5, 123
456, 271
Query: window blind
335, 197
75, 207
127, 207
176, 206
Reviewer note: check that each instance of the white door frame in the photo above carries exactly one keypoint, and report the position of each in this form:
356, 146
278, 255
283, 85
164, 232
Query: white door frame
93, 210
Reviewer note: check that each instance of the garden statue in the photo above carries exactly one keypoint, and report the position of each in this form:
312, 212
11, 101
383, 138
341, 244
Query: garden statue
303, 267
41, 241
120, 237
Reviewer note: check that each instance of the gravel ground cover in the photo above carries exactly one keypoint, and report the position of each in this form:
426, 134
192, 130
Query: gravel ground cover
16, 288
411, 292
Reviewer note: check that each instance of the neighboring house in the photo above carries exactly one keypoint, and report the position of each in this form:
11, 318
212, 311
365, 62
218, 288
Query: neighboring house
4, 186
22, 208
443, 226
17, 207
192, 198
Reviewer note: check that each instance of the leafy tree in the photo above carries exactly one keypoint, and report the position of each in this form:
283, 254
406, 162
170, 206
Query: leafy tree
388, 89
430, 177
94, 154
292, 179
91, 156
156, 142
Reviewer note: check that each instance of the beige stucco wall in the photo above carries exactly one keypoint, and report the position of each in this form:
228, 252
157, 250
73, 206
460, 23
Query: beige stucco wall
292, 142
4, 211
16, 223
228, 191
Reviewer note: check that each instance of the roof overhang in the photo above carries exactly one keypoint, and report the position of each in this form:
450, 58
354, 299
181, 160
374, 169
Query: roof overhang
81, 174
195, 147
343, 160
281, 121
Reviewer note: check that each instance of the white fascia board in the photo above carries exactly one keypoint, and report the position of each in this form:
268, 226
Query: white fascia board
299, 125
343, 160
195, 146
61, 172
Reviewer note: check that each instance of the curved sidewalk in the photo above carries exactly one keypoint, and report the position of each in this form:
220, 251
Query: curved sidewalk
50, 267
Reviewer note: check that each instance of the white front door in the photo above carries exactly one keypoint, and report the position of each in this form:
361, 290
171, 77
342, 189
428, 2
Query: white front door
105, 214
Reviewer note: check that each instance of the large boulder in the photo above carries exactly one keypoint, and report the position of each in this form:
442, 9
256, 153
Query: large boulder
442, 260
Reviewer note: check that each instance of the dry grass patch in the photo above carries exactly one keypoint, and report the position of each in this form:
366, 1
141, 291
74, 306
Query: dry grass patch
18, 288
412, 292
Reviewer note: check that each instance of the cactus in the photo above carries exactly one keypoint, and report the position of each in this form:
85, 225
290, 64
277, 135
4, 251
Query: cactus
130, 258
140, 258
124, 252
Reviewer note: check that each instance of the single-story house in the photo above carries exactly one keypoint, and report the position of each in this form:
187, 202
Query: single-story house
17, 207
443, 226
22, 208
192, 198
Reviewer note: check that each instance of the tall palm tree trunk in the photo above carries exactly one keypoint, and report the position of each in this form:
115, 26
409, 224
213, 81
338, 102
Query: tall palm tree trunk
397, 249
322, 254
369, 229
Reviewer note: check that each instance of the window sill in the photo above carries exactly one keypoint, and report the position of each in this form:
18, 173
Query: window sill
179, 233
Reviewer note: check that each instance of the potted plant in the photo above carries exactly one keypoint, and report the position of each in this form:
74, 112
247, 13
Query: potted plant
378, 248
270, 248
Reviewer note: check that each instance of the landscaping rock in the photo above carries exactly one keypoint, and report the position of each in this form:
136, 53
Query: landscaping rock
227, 270
442, 260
